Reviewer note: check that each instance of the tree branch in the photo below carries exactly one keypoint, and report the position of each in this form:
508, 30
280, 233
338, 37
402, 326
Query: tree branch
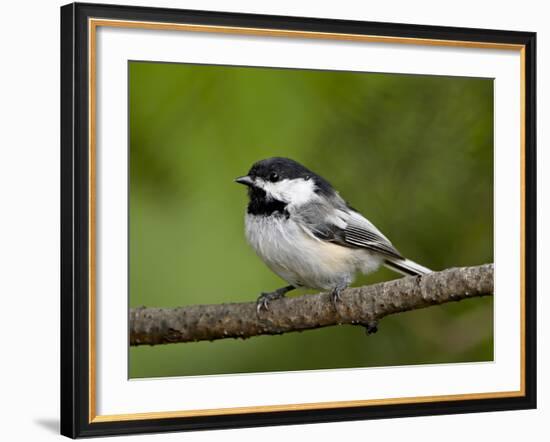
360, 306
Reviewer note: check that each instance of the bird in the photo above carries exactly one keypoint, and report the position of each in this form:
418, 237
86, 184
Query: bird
308, 235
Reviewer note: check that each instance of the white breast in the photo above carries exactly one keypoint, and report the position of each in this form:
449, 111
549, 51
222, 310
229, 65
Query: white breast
300, 258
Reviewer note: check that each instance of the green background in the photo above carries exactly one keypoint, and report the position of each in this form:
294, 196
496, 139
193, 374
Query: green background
413, 153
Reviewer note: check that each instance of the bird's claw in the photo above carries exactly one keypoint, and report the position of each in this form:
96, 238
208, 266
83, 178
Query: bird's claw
265, 298
262, 304
336, 297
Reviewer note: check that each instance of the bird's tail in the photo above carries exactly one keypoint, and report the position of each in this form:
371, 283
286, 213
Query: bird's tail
406, 266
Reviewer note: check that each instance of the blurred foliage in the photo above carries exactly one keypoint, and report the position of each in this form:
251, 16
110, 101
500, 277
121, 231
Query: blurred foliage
412, 153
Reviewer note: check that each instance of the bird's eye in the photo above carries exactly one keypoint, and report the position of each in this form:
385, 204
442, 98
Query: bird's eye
273, 176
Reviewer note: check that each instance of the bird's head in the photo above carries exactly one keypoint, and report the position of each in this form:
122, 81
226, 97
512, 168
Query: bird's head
284, 180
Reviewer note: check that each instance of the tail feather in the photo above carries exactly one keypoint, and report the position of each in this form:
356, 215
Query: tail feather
406, 267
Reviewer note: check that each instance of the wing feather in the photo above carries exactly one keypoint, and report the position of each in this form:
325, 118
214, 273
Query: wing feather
345, 227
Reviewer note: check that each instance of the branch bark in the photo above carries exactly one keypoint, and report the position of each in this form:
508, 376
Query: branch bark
360, 306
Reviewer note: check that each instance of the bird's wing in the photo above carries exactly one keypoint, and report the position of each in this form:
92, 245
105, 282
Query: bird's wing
346, 227
361, 232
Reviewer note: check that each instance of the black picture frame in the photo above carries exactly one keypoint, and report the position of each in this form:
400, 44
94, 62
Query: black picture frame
75, 219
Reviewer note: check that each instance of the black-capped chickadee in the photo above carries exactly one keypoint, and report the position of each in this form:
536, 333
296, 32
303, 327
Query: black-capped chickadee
308, 235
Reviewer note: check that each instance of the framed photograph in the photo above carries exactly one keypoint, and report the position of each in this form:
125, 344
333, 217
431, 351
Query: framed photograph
274, 220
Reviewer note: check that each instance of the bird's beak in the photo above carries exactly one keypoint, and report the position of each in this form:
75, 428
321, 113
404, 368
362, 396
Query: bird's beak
246, 180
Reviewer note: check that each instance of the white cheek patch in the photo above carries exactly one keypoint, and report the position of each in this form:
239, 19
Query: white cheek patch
295, 192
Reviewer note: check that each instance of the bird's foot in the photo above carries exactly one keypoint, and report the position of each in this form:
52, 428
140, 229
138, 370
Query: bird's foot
265, 298
336, 296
